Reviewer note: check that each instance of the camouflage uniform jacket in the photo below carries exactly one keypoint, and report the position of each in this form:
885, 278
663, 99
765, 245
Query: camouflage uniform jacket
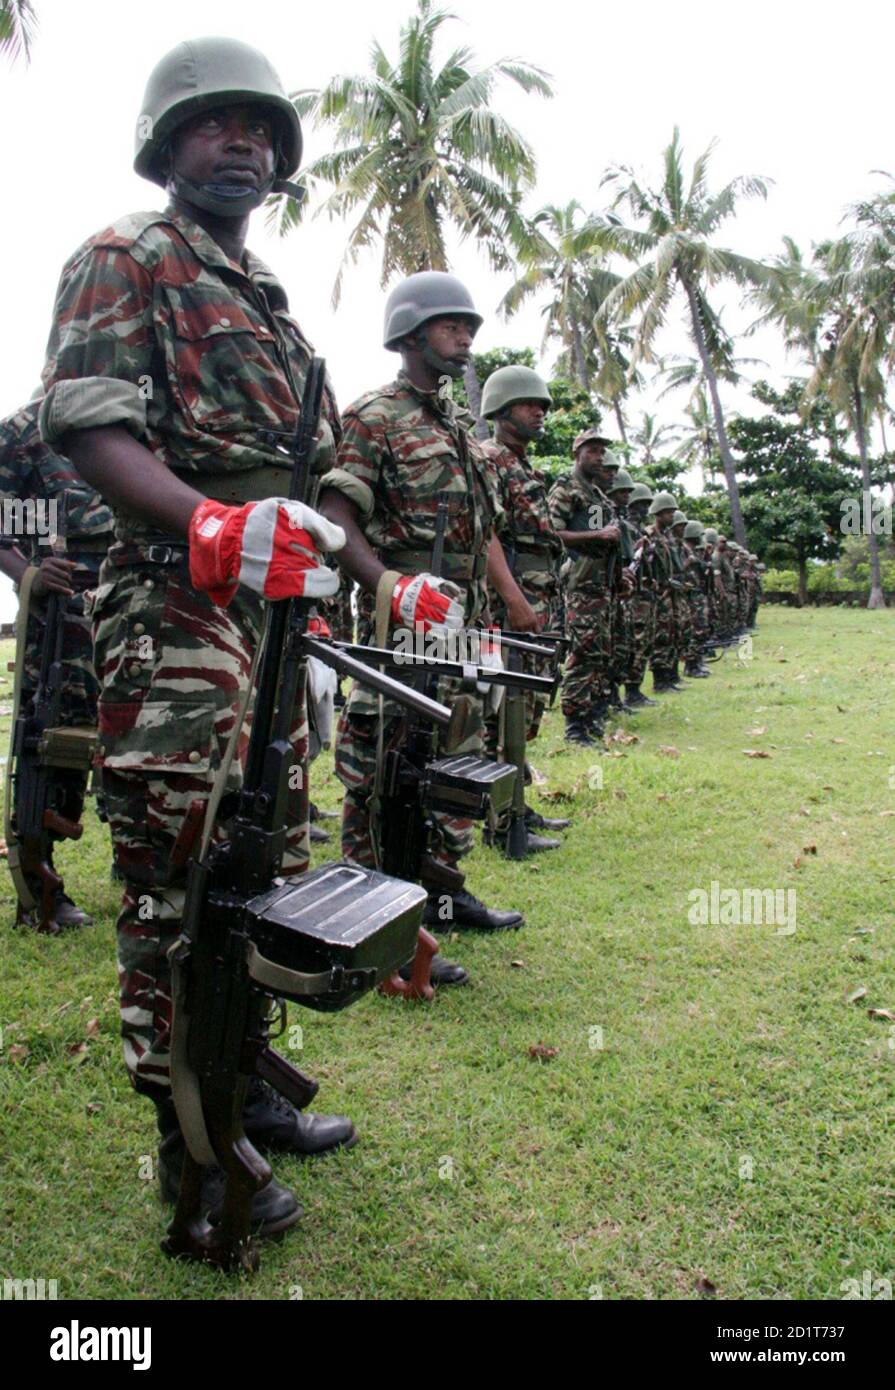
525, 530
578, 505
31, 469
157, 330
401, 447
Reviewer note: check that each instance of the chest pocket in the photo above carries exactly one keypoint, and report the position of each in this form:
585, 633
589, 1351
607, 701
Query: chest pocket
223, 363
421, 465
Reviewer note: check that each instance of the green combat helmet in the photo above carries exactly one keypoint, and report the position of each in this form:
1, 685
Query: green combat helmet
429, 294
662, 502
679, 518
590, 437
641, 493
711, 536
622, 482
693, 531
510, 385
197, 76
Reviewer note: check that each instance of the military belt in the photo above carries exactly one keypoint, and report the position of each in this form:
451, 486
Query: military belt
89, 544
529, 561
466, 568
250, 485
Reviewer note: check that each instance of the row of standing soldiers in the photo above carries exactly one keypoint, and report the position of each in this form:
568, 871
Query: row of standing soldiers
197, 532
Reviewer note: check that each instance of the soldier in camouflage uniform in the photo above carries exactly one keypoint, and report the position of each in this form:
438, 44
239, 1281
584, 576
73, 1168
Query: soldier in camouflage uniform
697, 600
713, 583
727, 590
30, 471
620, 491
684, 639
665, 567
516, 400
174, 376
584, 519
403, 445
642, 602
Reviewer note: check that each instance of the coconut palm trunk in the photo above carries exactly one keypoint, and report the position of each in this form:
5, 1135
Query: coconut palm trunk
474, 396
877, 597
579, 361
620, 419
711, 381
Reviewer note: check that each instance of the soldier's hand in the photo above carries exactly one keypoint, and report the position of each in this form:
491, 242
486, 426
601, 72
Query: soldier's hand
521, 617
431, 602
53, 577
608, 533
269, 546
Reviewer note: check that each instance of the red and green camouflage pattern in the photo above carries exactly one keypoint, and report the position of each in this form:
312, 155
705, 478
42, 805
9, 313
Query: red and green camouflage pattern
575, 504
525, 531
29, 468
155, 298
156, 329
401, 447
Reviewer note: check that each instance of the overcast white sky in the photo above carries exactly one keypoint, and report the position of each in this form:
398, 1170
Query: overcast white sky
797, 91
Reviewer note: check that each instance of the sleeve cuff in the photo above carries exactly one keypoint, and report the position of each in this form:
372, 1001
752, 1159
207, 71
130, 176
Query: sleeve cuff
87, 403
351, 487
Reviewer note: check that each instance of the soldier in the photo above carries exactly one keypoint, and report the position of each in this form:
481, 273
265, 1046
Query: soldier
584, 519
665, 570
642, 603
403, 445
684, 636
29, 470
713, 583
174, 375
516, 400
697, 600
620, 491
728, 583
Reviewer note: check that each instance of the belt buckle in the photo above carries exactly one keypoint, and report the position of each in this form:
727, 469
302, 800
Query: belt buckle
159, 554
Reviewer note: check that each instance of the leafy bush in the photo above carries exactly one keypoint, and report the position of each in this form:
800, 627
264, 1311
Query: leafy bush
781, 581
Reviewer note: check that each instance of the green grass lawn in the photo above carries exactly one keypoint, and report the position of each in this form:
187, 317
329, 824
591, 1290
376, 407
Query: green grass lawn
715, 1111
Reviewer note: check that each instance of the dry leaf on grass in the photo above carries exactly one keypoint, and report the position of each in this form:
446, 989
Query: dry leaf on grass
518, 964
809, 849
668, 750
797, 862
704, 1285
758, 731
662, 796
837, 740
886, 1014
18, 1052
542, 1052
755, 753
76, 1050
856, 994
92, 1029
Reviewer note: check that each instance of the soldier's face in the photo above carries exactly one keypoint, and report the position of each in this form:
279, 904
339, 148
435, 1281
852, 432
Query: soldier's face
527, 417
229, 144
451, 338
621, 496
664, 519
590, 461
679, 530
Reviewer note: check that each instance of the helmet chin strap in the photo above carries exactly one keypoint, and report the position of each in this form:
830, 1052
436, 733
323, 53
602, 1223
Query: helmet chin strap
229, 199
445, 366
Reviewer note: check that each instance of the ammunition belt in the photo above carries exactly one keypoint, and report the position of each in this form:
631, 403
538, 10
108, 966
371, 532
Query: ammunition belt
466, 568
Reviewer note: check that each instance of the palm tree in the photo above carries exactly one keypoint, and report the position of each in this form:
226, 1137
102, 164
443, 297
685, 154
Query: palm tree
672, 242
559, 259
698, 444
650, 438
855, 339
18, 22
419, 148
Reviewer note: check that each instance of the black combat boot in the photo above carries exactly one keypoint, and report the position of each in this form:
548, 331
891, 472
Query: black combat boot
441, 972
577, 732
614, 699
694, 671
271, 1123
635, 698
444, 911
596, 719
274, 1208
535, 821
534, 844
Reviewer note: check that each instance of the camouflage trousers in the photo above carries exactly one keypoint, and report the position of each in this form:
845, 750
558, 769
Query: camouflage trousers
589, 663
698, 629
79, 684
622, 639
743, 603
357, 746
665, 637
642, 609
542, 599
172, 669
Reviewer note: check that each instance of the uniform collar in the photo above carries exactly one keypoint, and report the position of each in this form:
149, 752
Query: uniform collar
211, 254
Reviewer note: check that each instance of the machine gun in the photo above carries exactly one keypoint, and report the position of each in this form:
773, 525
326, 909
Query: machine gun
40, 754
252, 939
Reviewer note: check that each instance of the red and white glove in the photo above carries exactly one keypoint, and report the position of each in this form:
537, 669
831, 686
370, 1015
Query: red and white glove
269, 546
431, 602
